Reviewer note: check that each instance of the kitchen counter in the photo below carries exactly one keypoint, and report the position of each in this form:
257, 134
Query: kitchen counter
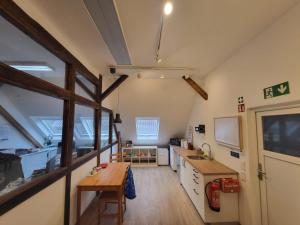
206, 167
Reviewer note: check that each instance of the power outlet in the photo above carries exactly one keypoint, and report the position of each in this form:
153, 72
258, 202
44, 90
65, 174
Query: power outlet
235, 154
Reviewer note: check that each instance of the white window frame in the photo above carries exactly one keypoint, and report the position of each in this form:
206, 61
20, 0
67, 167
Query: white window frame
47, 131
146, 137
44, 128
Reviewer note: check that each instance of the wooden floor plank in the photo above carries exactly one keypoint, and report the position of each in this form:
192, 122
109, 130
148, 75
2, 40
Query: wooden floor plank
161, 200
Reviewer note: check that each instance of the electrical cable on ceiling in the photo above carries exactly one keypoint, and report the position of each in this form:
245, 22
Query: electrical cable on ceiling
158, 60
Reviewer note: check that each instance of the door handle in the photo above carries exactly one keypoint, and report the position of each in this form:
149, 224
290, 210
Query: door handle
260, 172
183, 163
196, 191
195, 181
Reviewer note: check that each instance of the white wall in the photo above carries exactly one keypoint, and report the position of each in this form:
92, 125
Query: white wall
169, 99
6, 92
271, 58
14, 138
86, 197
46, 207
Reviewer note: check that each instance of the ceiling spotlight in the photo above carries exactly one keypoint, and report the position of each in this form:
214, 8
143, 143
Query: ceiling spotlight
159, 60
162, 77
168, 8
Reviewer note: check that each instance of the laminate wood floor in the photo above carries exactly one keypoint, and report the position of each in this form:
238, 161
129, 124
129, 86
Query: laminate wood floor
161, 200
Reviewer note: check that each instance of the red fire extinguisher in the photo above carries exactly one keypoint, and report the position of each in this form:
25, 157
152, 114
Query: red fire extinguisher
212, 191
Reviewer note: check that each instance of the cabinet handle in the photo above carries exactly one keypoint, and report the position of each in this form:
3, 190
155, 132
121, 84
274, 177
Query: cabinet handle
196, 191
195, 176
195, 181
195, 171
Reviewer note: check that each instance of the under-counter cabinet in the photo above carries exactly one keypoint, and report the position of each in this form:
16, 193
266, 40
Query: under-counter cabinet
163, 156
173, 162
194, 183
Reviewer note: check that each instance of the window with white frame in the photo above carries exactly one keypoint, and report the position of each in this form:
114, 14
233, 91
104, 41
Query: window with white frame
50, 126
84, 129
147, 128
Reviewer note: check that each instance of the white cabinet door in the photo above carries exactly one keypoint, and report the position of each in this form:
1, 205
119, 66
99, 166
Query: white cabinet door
184, 174
173, 158
163, 156
194, 184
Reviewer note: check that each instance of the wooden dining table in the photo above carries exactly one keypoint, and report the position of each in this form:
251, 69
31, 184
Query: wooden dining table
109, 179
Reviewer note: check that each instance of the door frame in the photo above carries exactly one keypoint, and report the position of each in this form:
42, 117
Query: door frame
252, 138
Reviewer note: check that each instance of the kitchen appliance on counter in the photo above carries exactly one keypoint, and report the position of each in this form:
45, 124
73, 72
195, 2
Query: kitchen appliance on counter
175, 141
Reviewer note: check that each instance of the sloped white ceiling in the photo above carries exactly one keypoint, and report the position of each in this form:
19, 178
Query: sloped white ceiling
199, 33
170, 100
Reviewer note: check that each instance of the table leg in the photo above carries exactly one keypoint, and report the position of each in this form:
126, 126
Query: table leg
78, 206
120, 199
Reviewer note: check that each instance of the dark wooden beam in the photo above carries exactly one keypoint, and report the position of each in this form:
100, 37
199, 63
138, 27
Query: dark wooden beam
111, 120
86, 102
98, 119
67, 140
115, 85
14, 14
19, 127
86, 89
196, 87
24, 80
25, 191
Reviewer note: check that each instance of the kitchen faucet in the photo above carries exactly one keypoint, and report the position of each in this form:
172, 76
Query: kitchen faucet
209, 150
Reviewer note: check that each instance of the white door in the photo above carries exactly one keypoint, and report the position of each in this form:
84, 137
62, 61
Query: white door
279, 164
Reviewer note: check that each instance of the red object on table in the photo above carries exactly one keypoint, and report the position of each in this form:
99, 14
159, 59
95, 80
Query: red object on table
103, 165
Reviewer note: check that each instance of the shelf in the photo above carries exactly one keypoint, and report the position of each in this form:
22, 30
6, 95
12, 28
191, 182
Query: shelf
140, 155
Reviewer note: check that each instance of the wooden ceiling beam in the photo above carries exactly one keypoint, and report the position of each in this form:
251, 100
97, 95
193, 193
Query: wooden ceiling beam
86, 89
112, 87
196, 87
19, 127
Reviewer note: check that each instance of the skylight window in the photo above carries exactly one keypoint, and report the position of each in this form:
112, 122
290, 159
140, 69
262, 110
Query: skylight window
85, 128
147, 128
50, 126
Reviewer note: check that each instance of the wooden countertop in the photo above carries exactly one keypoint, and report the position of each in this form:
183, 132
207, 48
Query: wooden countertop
112, 176
206, 167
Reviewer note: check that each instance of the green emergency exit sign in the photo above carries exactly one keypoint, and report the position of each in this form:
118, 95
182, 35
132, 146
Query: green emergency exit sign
277, 90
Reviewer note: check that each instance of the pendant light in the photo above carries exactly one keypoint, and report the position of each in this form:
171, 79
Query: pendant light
118, 118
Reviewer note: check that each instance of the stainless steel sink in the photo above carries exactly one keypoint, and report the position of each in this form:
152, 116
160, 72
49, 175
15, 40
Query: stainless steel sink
196, 157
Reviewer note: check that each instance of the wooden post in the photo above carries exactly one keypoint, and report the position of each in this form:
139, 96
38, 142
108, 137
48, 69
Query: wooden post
196, 87
115, 85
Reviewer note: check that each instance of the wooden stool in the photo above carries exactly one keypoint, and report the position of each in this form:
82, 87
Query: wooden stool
113, 197
116, 157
